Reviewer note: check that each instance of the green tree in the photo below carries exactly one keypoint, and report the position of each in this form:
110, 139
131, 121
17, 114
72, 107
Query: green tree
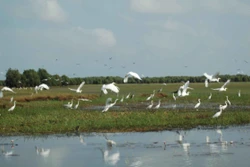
13, 78
32, 77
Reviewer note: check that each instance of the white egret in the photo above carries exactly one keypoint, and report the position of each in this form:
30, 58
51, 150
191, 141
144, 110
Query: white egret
13, 107
158, 105
1, 94
78, 90
83, 99
128, 96
183, 90
216, 115
207, 140
206, 83
69, 105
11, 99
111, 87
76, 106
223, 88
224, 106
239, 93
43, 152
198, 104
5, 88
131, 74
109, 104
210, 96
211, 78
122, 99
43, 86
150, 105
228, 101
151, 96
174, 97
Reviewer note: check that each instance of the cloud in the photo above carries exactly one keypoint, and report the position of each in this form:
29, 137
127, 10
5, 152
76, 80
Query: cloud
177, 6
48, 10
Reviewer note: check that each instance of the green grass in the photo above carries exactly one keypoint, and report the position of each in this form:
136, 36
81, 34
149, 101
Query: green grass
43, 113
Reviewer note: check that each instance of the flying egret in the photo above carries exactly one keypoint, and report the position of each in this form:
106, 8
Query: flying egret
158, 105
5, 88
150, 105
216, 115
223, 88
111, 87
43, 86
198, 104
83, 99
228, 101
210, 96
109, 104
211, 78
239, 93
224, 106
78, 90
183, 90
13, 107
131, 74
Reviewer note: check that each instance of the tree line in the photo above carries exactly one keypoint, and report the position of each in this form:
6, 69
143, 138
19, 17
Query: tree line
31, 78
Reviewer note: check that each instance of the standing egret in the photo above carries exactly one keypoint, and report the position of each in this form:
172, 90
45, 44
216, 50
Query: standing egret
239, 93
206, 83
78, 90
76, 106
122, 99
216, 115
131, 74
223, 87
174, 97
224, 106
13, 107
158, 105
210, 96
228, 101
69, 105
128, 96
198, 104
150, 105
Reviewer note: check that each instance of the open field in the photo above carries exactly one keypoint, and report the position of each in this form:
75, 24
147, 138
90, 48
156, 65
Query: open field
43, 113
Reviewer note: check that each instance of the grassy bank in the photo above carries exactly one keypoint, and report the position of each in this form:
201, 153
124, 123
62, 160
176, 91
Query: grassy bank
43, 113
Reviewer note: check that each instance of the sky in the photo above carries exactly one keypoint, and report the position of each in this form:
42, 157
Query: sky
83, 38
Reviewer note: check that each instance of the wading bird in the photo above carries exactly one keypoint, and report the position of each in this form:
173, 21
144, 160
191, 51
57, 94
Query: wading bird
158, 105
224, 106
131, 74
183, 90
150, 105
111, 87
5, 88
78, 90
210, 96
174, 97
198, 104
69, 105
239, 93
228, 101
76, 106
223, 88
109, 104
216, 115
206, 83
43, 152
13, 107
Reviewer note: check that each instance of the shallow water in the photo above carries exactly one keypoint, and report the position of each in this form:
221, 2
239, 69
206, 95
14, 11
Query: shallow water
227, 147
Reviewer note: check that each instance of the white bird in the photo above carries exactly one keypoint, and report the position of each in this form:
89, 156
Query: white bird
110, 159
206, 83
1, 94
198, 104
216, 115
151, 96
43, 152
122, 99
109, 104
131, 74
210, 96
158, 105
43, 86
183, 90
223, 88
82, 99
6, 153
111, 87
76, 106
69, 105
13, 107
207, 139
78, 90
239, 93
11, 99
223, 107
5, 88
211, 78
128, 96
228, 101
174, 97
150, 105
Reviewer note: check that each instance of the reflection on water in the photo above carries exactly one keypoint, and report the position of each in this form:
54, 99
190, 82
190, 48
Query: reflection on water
207, 147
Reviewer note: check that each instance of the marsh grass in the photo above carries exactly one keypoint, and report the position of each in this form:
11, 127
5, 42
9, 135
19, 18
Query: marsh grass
43, 113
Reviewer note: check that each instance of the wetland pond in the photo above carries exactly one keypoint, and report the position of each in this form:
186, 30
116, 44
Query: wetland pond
220, 147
